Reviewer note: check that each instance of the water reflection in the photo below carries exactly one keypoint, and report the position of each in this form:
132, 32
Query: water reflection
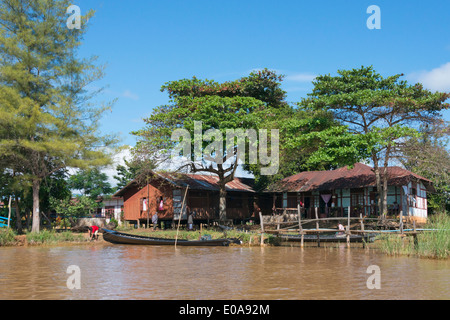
149, 272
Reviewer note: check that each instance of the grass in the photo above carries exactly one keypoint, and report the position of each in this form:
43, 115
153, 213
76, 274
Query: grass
52, 237
435, 244
7, 237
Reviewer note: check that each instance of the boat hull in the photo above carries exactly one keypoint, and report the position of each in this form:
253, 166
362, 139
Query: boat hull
123, 238
325, 238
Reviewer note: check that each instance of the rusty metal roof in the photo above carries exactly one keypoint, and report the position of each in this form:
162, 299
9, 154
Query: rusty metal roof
197, 182
359, 176
207, 182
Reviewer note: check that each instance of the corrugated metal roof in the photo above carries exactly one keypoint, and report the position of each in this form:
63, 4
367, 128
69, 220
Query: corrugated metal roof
197, 182
208, 182
359, 176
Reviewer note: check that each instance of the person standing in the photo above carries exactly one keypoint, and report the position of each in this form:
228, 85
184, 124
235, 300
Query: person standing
190, 221
155, 220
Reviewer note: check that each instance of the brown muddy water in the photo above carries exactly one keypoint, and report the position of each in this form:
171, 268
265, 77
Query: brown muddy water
231, 273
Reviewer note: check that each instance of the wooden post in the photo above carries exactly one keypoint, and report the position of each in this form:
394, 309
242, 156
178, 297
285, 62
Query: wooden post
348, 227
416, 241
9, 210
299, 213
318, 239
401, 222
348, 236
181, 215
262, 227
362, 222
317, 217
148, 204
300, 229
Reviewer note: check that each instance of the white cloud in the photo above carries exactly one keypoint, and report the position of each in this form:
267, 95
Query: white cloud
301, 77
437, 79
111, 171
131, 95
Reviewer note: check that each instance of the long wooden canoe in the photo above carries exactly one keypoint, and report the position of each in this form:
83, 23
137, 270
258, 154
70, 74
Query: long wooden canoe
325, 238
124, 238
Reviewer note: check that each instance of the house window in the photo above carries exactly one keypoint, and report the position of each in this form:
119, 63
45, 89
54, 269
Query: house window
144, 204
357, 197
292, 201
109, 211
413, 201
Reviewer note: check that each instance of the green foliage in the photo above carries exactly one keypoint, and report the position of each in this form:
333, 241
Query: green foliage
125, 174
430, 244
379, 114
48, 121
6, 236
80, 206
242, 104
91, 182
428, 156
52, 237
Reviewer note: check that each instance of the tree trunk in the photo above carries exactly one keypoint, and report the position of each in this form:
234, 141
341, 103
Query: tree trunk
36, 218
222, 203
376, 170
18, 217
385, 180
385, 191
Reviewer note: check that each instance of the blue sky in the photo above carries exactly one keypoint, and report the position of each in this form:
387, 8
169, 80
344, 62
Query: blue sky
147, 43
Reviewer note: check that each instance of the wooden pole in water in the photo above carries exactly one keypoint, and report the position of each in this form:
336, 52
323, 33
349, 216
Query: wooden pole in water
317, 218
181, 214
300, 229
348, 227
416, 241
348, 217
148, 205
9, 210
362, 229
261, 221
348, 236
317, 226
401, 222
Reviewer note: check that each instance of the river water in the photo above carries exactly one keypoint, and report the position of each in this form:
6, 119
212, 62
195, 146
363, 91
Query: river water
202, 273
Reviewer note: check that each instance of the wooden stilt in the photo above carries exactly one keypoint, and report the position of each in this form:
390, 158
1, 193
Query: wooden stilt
262, 227
181, 215
317, 218
348, 236
300, 228
401, 222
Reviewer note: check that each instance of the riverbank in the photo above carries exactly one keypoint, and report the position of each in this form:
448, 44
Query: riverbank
46, 237
9, 238
434, 244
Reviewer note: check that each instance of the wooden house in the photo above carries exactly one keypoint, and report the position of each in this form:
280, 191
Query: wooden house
165, 192
336, 192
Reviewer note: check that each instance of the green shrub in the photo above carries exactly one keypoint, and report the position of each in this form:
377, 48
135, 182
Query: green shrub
6, 236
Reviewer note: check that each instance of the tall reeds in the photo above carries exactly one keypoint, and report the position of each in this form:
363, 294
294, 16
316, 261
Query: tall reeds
430, 244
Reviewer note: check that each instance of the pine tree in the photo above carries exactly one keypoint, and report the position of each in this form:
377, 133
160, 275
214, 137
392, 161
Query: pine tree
48, 120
